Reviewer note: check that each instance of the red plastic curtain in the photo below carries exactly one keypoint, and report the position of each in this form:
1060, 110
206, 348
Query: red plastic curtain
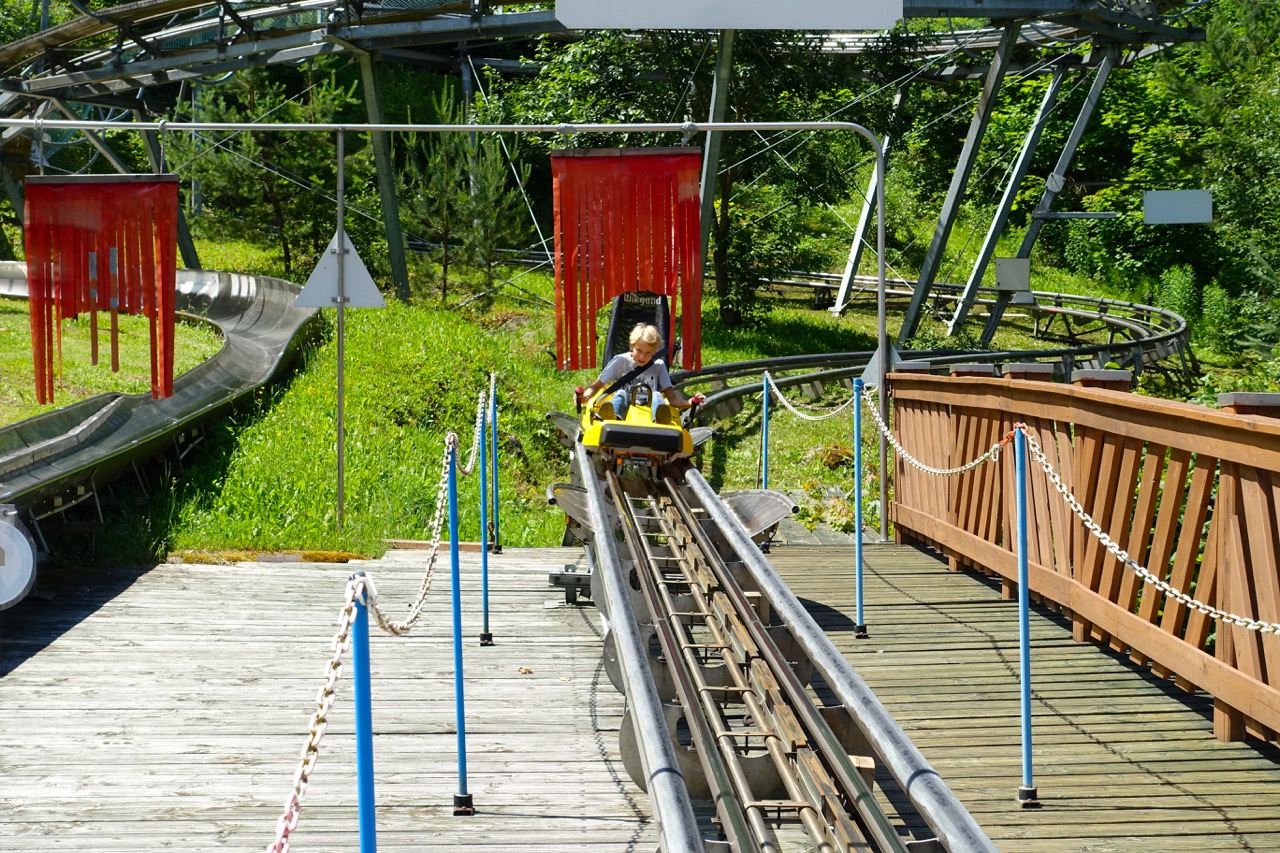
101, 243
626, 220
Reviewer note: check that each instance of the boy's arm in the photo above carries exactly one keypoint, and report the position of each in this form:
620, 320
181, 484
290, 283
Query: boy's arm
677, 398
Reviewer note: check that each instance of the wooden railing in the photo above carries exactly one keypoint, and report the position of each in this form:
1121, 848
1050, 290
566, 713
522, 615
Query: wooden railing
1191, 493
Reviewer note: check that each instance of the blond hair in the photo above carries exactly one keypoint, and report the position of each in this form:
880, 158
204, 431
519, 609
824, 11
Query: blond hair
648, 333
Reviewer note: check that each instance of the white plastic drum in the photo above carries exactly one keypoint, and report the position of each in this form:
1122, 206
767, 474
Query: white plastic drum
17, 559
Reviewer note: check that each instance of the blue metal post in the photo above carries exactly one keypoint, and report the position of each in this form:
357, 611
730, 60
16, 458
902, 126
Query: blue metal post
486, 638
1026, 793
764, 437
364, 726
860, 628
493, 423
462, 804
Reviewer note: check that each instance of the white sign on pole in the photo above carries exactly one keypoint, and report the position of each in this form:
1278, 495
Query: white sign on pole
1014, 275
321, 289
728, 14
1176, 207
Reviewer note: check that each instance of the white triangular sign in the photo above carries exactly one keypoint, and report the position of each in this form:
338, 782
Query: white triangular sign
321, 289
871, 376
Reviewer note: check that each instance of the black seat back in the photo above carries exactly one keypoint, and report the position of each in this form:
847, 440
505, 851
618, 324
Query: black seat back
640, 306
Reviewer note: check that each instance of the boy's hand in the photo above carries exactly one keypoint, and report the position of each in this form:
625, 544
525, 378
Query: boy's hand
698, 399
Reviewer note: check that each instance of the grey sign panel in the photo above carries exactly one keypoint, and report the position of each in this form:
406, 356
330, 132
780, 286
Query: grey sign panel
1176, 207
321, 289
729, 14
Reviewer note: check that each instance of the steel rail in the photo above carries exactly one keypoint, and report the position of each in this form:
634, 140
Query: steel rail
664, 781
723, 779
942, 811
873, 822
675, 558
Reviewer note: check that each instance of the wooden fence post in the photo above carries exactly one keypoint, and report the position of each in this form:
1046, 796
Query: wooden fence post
1228, 722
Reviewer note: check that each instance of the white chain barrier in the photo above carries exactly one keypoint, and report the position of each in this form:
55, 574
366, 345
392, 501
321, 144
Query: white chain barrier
827, 413
361, 588
1123, 556
1092, 526
288, 821
992, 454
481, 420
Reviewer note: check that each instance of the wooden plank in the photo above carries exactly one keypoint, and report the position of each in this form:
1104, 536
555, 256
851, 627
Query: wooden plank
1259, 493
1138, 542
1162, 539
1186, 559
170, 707
1122, 761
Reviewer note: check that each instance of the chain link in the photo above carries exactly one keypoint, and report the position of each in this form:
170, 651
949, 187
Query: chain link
288, 821
481, 409
1123, 556
828, 413
361, 587
992, 454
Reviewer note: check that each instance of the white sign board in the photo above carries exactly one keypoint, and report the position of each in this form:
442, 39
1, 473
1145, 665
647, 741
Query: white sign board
321, 289
728, 14
1176, 207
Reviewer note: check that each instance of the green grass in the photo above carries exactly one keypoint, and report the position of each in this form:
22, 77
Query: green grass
265, 479
76, 376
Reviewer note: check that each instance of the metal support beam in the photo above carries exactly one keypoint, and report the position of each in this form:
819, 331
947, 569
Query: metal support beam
155, 155
960, 180
381, 143
864, 218
13, 190
711, 153
1001, 218
1055, 182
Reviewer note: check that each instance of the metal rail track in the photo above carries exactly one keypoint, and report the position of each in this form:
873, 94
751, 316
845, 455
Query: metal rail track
731, 680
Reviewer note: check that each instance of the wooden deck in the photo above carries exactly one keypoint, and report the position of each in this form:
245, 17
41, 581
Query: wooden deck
167, 708
1123, 761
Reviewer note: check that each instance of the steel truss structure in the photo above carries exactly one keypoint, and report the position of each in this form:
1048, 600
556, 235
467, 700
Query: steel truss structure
135, 59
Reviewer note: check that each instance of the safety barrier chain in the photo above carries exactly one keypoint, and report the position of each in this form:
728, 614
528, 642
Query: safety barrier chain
361, 588
319, 721
1123, 556
481, 419
992, 454
828, 413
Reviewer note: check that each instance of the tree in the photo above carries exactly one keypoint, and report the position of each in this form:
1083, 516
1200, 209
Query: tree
665, 77
275, 185
439, 201
497, 211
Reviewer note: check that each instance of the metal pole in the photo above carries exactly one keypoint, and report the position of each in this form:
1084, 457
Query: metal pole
486, 638
341, 299
764, 436
883, 344
668, 791
462, 804
367, 806
860, 626
493, 421
1026, 793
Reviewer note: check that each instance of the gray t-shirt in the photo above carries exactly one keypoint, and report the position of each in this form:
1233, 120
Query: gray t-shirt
655, 375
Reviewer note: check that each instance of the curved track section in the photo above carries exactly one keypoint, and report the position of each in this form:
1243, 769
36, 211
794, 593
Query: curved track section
52, 461
1138, 338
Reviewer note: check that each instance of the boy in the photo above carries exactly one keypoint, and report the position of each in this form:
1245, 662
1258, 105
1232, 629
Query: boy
645, 342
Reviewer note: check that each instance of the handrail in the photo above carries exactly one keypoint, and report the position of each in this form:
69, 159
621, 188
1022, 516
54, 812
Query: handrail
1189, 492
